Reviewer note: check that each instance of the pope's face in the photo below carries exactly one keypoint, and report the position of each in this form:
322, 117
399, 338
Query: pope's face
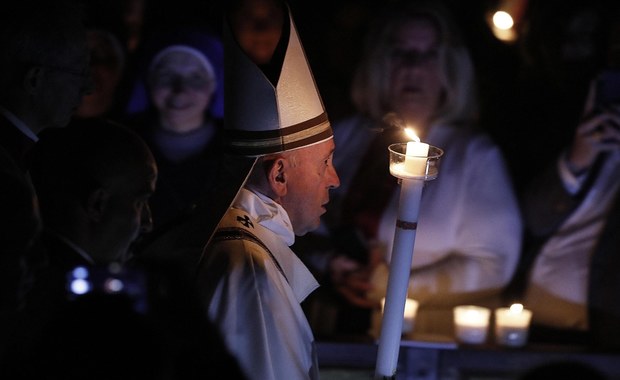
308, 186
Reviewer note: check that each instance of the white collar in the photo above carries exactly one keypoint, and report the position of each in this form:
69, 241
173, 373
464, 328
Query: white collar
267, 212
19, 124
273, 217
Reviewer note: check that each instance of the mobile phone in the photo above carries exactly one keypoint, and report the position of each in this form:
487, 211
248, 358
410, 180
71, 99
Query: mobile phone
608, 87
111, 280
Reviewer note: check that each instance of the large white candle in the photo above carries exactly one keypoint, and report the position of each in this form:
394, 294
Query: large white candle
398, 280
512, 325
411, 308
412, 183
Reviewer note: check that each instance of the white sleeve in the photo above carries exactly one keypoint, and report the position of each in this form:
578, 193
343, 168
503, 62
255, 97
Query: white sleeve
571, 182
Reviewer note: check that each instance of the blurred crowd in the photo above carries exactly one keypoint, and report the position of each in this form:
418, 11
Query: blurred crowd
113, 166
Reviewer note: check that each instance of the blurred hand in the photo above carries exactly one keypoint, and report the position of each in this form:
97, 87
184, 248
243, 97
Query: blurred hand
598, 132
355, 287
352, 279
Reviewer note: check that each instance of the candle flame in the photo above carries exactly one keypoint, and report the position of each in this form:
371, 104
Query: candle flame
516, 308
471, 313
412, 135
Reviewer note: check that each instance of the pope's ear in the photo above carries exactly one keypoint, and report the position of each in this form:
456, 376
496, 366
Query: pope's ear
278, 175
96, 204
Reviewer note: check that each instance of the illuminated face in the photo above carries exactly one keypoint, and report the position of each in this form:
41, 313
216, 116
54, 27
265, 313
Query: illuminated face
416, 87
308, 186
181, 90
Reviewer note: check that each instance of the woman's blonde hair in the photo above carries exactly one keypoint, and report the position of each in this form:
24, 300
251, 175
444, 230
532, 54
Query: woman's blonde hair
371, 83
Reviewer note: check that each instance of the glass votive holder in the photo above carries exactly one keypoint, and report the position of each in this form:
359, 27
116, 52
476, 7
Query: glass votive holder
426, 167
512, 325
471, 323
411, 308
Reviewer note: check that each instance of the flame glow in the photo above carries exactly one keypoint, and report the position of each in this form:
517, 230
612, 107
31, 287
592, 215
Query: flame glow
516, 308
412, 135
503, 20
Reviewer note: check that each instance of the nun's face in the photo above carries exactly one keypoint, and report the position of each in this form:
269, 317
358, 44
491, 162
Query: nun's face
181, 90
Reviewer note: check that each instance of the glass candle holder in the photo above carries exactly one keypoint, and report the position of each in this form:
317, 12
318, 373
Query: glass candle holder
512, 325
407, 165
471, 323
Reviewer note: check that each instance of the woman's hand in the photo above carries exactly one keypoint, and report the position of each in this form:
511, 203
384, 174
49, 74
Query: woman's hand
352, 279
598, 132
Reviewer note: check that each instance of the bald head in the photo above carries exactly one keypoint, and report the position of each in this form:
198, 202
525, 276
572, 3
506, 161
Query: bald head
71, 161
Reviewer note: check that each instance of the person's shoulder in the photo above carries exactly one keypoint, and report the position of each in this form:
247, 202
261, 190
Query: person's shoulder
482, 140
467, 145
238, 235
483, 148
471, 137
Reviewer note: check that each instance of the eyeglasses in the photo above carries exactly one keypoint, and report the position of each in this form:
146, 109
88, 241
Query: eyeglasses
412, 57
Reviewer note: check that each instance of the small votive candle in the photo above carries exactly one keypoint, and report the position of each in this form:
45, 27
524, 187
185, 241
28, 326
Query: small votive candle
411, 308
471, 323
512, 325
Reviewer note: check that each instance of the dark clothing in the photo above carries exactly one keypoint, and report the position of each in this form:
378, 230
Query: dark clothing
180, 183
184, 204
19, 221
18, 214
604, 287
16, 144
48, 262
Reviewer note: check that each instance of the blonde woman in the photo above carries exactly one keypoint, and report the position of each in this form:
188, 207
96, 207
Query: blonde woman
417, 72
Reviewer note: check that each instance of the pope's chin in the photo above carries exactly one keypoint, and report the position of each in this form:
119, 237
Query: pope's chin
309, 227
